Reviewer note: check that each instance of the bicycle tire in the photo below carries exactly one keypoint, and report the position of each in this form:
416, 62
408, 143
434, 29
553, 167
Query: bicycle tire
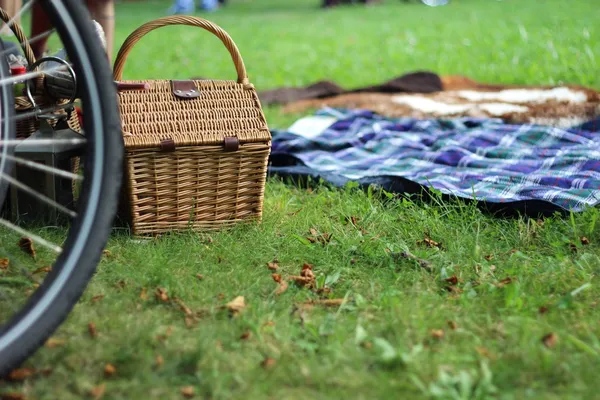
48, 307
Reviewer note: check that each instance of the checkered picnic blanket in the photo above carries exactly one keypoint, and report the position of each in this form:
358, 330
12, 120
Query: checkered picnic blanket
484, 159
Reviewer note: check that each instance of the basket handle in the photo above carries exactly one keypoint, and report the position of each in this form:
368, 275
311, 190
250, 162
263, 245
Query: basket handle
180, 20
18, 31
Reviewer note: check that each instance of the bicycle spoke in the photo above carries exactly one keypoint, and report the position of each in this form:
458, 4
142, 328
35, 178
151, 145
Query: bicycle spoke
39, 196
35, 238
45, 168
42, 142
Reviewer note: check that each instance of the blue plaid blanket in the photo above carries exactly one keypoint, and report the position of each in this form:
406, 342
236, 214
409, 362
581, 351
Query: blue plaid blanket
484, 159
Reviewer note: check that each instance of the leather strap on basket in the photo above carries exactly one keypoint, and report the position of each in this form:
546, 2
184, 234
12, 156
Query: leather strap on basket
180, 20
18, 31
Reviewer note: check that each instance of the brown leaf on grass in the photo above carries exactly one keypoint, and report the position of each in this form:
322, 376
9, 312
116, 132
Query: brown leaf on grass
246, 335
550, 340
326, 302
325, 238
45, 269
187, 392
159, 361
437, 333
426, 265
109, 370
492, 268
584, 240
506, 281
489, 257
352, 261
20, 374
453, 289
307, 271
98, 391
97, 298
453, 280
323, 291
121, 284
186, 310
236, 305
144, 294
283, 285
484, 352
268, 363
427, 241
302, 281
313, 231
92, 330
200, 277
452, 325
573, 247
26, 244
161, 295
220, 296
4, 263
268, 323
543, 310
106, 253
12, 396
53, 342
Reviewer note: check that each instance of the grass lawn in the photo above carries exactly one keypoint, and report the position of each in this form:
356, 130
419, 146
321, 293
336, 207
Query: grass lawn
508, 309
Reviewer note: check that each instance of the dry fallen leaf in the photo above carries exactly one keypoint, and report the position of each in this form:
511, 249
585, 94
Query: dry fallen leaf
121, 284
452, 325
106, 253
92, 329
12, 396
268, 323
453, 280
45, 269
236, 305
543, 310
302, 281
437, 333
20, 374
427, 241
26, 244
313, 231
97, 298
584, 240
109, 370
186, 310
159, 361
506, 281
144, 294
161, 295
246, 335
307, 271
311, 239
268, 363
200, 277
283, 286
53, 342
4, 263
187, 391
221, 296
484, 352
98, 391
492, 267
573, 247
454, 289
326, 302
273, 266
550, 340
489, 257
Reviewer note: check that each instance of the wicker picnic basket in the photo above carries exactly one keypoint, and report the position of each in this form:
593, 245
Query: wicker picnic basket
196, 151
27, 122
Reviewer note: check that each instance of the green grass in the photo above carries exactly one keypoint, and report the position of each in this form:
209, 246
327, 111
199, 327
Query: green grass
380, 343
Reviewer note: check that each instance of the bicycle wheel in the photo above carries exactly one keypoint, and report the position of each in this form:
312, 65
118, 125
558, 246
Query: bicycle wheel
44, 268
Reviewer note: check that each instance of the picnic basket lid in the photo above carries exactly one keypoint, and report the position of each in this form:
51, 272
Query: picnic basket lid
194, 112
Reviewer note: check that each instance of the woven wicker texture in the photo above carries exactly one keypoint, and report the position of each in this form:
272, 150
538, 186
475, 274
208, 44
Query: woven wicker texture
199, 185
